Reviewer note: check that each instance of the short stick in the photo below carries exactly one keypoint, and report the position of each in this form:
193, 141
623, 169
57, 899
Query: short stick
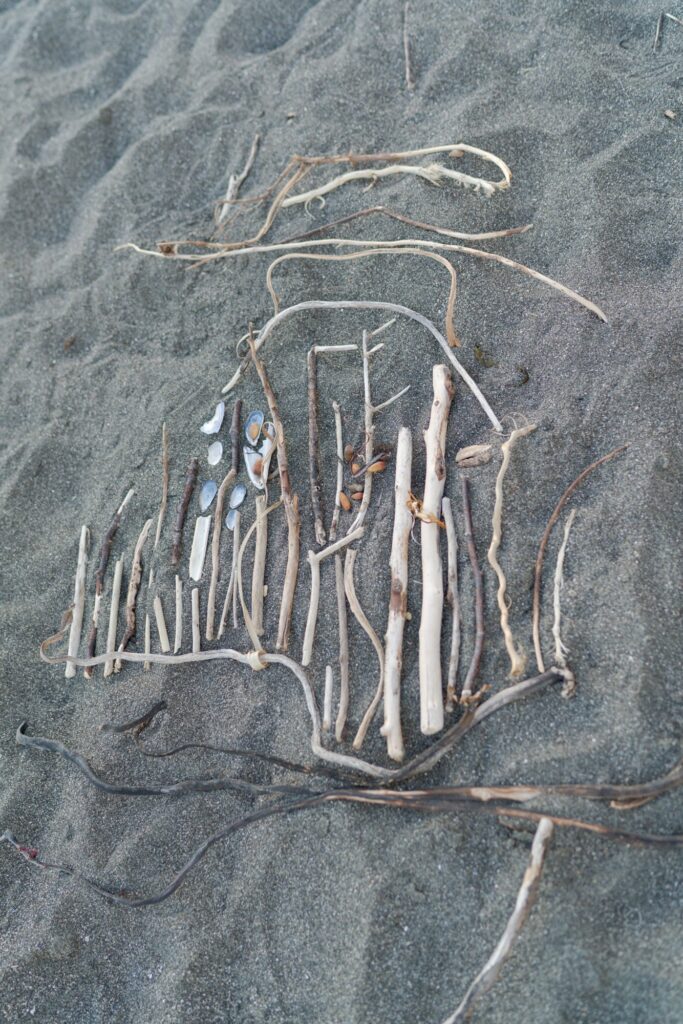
147, 642
473, 670
259, 569
398, 601
327, 699
105, 552
231, 592
364, 623
178, 642
196, 629
113, 615
79, 600
183, 505
314, 560
161, 625
133, 587
164, 483
453, 601
431, 696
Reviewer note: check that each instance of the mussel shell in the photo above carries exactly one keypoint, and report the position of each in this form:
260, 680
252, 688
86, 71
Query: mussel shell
207, 494
213, 425
239, 493
215, 453
252, 428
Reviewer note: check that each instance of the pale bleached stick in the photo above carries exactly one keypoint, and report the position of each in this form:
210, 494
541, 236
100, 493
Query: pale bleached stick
164, 482
113, 615
364, 623
410, 81
196, 627
560, 650
79, 601
515, 654
431, 696
344, 685
327, 699
105, 552
340, 469
218, 520
178, 641
526, 897
259, 569
161, 625
314, 560
453, 599
235, 182
231, 592
398, 601
239, 589
133, 587
148, 625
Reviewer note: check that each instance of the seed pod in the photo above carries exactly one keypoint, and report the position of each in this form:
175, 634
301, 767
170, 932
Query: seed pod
348, 452
377, 467
355, 467
357, 496
344, 501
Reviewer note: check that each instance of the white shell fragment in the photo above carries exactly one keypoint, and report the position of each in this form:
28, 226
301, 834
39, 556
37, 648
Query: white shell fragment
199, 545
252, 428
207, 494
253, 460
474, 455
239, 493
230, 519
215, 453
213, 425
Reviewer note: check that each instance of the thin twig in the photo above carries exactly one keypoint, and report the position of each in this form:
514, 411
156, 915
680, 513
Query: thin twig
314, 448
340, 470
196, 627
183, 505
327, 699
235, 181
78, 605
473, 670
314, 560
364, 623
105, 552
178, 639
259, 567
560, 650
231, 592
342, 622
113, 615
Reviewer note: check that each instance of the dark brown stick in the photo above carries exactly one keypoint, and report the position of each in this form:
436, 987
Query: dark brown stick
235, 436
538, 567
289, 500
105, 552
473, 670
314, 448
183, 505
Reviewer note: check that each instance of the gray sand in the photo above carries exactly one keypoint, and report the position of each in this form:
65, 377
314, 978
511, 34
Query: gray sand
120, 121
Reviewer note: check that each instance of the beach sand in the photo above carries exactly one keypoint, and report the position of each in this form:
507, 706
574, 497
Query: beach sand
121, 121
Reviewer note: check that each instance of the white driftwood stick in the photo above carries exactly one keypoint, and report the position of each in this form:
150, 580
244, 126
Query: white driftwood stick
526, 896
340, 469
314, 560
259, 569
231, 593
343, 708
365, 625
453, 600
398, 601
114, 615
196, 629
161, 625
327, 699
147, 642
431, 697
178, 642
560, 650
79, 601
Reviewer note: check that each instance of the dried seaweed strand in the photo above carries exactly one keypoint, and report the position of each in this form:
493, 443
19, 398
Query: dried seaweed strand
364, 623
290, 502
538, 567
183, 505
164, 483
218, 519
515, 654
105, 552
453, 600
473, 670
131, 597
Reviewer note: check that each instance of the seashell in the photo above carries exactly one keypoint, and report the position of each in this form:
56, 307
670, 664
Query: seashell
357, 496
253, 460
231, 518
239, 493
207, 494
344, 501
199, 544
348, 452
215, 453
252, 428
474, 455
213, 425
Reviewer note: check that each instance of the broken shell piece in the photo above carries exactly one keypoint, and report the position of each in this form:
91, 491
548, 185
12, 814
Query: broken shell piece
253, 460
252, 428
215, 453
213, 425
238, 495
474, 455
230, 519
207, 494
199, 545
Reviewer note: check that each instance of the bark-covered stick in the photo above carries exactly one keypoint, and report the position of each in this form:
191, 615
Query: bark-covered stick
78, 602
259, 567
113, 615
453, 600
183, 505
218, 519
133, 587
431, 696
100, 573
398, 601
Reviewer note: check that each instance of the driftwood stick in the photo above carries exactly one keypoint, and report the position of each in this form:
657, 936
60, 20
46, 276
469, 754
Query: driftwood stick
340, 470
515, 654
148, 625
398, 601
290, 502
431, 695
538, 567
231, 592
259, 568
342, 620
239, 588
161, 625
113, 615
410, 81
218, 519
453, 601
314, 448
364, 623
178, 640
560, 650
183, 505
196, 627
327, 699
314, 560
79, 600
473, 670
526, 898
133, 587
164, 483
105, 552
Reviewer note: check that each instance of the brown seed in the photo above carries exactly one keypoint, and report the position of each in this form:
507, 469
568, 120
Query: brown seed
358, 496
344, 501
348, 452
355, 467
377, 467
